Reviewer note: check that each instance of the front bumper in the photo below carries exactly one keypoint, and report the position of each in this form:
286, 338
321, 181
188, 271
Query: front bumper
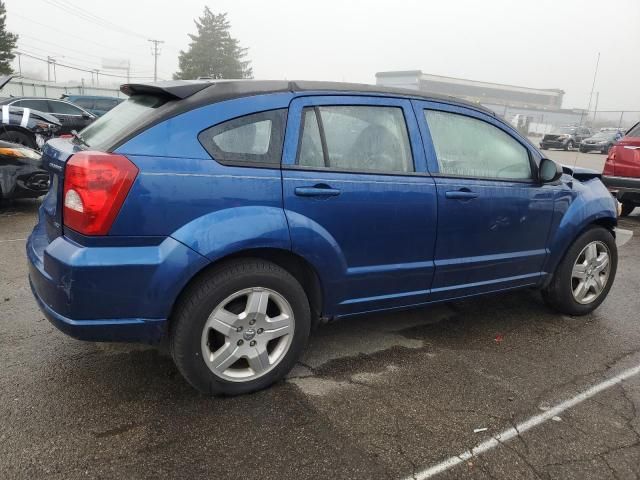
622, 184
552, 144
120, 294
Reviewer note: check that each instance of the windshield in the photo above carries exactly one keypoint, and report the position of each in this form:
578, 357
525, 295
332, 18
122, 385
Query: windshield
604, 135
122, 117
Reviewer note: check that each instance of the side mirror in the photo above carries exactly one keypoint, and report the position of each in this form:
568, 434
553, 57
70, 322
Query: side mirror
86, 116
549, 171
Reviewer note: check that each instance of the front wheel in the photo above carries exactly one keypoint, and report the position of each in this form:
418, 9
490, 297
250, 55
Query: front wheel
569, 145
240, 328
584, 276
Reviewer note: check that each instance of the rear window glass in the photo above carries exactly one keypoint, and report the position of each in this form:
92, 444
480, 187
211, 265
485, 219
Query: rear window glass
635, 131
123, 117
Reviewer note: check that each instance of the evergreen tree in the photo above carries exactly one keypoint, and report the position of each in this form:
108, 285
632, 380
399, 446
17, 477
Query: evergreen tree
7, 43
213, 52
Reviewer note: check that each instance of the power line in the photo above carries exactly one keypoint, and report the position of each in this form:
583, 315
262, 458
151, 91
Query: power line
90, 17
96, 70
65, 32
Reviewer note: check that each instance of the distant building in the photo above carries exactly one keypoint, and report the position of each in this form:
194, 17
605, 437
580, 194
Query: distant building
481, 92
539, 109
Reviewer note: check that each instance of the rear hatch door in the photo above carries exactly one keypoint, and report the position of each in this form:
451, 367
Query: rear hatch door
55, 155
627, 154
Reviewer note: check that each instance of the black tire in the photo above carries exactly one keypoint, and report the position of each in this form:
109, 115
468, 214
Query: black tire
205, 294
569, 145
627, 208
543, 148
606, 149
582, 150
18, 137
558, 294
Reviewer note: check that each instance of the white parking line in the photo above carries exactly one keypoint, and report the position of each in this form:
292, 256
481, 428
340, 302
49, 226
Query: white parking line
512, 433
13, 240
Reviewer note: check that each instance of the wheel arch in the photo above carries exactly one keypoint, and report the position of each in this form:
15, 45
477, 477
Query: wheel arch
296, 265
19, 129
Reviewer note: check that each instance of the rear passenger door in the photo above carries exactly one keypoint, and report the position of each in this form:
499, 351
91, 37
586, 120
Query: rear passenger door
493, 215
359, 205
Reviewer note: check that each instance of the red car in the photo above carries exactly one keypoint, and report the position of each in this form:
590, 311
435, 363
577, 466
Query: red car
621, 172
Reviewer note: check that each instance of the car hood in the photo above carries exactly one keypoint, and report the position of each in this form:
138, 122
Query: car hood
580, 173
36, 114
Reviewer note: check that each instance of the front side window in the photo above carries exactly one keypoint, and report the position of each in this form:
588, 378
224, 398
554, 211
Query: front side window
255, 139
355, 138
469, 147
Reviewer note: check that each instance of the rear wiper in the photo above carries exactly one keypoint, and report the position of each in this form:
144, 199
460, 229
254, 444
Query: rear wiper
78, 137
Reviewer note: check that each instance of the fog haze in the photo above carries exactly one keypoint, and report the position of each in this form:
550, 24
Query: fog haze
542, 44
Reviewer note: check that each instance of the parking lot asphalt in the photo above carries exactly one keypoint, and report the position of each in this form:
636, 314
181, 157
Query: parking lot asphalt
381, 396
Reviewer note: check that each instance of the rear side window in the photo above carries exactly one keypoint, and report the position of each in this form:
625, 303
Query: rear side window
355, 138
84, 103
253, 139
469, 147
62, 108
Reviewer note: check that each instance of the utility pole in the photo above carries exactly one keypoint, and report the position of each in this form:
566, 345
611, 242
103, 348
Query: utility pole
156, 53
97, 79
19, 65
55, 78
595, 109
593, 85
48, 68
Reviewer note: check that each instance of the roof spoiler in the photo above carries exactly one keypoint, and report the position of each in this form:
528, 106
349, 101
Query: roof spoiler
178, 89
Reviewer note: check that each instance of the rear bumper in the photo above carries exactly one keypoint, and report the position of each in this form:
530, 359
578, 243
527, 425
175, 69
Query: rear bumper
622, 184
109, 293
113, 330
552, 144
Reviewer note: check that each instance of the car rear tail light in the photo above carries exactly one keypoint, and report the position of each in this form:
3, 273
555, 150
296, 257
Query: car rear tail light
609, 164
95, 187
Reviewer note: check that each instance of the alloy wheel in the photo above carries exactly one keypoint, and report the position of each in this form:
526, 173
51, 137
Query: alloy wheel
590, 272
247, 334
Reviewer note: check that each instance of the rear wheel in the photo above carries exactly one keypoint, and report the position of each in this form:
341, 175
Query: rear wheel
240, 328
569, 145
627, 208
583, 150
585, 274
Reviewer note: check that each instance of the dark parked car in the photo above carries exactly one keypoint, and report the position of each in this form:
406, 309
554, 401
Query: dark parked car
71, 116
27, 127
230, 217
601, 141
622, 170
21, 172
565, 138
98, 105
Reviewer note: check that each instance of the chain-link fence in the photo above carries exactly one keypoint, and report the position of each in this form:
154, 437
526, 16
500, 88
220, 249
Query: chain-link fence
39, 88
534, 123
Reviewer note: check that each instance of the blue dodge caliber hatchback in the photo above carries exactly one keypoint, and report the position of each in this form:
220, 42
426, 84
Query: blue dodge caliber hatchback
231, 217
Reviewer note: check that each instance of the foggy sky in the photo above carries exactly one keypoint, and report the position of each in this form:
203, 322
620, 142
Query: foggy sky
541, 43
